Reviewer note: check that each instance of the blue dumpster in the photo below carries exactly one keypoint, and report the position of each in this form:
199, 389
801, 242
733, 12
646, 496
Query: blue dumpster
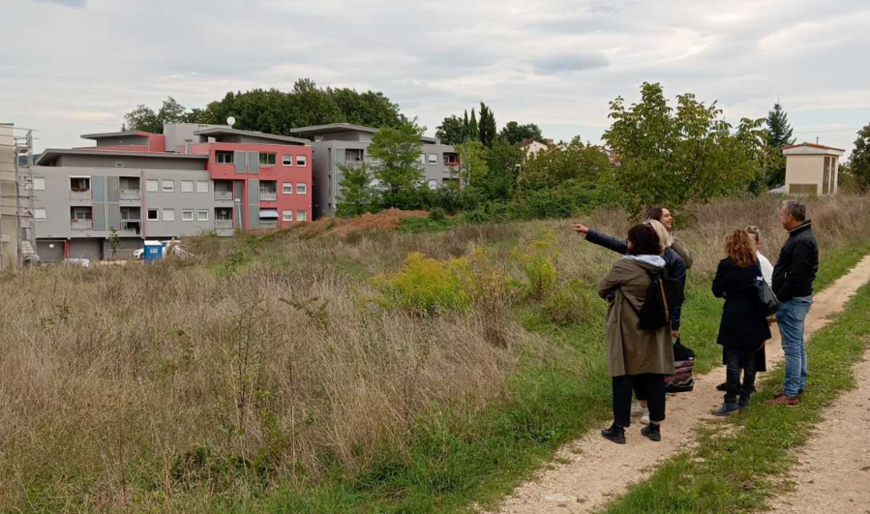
153, 250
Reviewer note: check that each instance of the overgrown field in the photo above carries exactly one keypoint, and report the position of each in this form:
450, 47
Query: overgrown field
375, 372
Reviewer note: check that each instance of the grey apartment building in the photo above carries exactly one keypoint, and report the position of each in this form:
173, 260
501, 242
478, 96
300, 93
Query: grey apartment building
190, 180
343, 143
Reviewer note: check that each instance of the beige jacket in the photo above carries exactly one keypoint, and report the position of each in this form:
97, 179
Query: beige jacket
630, 349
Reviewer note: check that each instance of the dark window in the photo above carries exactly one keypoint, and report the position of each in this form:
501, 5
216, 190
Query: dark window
224, 157
268, 159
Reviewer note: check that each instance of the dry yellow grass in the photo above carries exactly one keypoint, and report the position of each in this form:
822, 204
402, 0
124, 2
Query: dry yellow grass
268, 359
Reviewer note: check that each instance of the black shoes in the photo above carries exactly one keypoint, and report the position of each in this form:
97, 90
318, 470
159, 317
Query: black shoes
722, 387
726, 409
743, 402
615, 434
652, 432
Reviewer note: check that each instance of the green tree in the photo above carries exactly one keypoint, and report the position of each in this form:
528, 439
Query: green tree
357, 194
859, 164
779, 134
145, 119
451, 131
487, 128
572, 161
503, 161
114, 242
515, 133
473, 133
473, 167
675, 158
397, 151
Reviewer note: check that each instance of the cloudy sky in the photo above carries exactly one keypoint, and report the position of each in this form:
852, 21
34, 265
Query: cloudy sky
69, 67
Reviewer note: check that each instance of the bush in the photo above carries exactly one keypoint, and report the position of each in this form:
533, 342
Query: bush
572, 305
415, 225
426, 286
537, 260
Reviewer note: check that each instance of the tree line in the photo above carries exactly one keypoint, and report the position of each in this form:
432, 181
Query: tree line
674, 154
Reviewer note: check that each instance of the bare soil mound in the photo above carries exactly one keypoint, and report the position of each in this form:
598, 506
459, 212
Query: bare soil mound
384, 220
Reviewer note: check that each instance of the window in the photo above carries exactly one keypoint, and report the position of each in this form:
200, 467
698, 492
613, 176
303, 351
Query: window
301, 188
223, 157
287, 188
168, 214
80, 184
267, 159
223, 214
433, 158
187, 215
423, 158
168, 186
287, 215
186, 186
39, 214
202, 215
39, 183
301, 215
152, 185
202, 186
153, 215
301, 160
287, 160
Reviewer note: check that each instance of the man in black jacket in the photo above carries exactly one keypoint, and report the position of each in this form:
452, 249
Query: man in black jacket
793, 278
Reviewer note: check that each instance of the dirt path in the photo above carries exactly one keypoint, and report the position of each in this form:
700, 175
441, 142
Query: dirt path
595, 470
834, 471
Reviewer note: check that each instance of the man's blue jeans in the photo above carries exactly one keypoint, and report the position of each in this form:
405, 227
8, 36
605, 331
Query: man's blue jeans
790, 317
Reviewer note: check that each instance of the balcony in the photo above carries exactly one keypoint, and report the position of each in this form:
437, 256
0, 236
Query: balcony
268, 191
81, 224
268, 197
80, 195
131, 227
130, 194
223, 224
223, 196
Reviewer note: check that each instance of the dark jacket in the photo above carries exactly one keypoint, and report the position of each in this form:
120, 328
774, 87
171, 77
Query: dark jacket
797, 265
743, 324
674, 266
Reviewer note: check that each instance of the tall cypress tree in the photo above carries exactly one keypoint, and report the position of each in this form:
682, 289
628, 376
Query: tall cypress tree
779, 134
488, 129
473, 131
466, 128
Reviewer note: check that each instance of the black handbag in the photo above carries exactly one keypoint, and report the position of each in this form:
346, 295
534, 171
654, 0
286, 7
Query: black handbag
769, 303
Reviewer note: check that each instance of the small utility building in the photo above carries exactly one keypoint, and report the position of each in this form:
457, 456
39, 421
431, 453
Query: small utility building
811, 169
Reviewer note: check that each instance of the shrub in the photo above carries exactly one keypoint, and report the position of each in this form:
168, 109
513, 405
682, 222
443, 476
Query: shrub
538, 264
415, 225
425, 286
572, 305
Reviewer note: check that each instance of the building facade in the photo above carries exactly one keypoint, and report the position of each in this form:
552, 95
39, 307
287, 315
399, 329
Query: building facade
812, 169
9, 226
190, 180
343, 144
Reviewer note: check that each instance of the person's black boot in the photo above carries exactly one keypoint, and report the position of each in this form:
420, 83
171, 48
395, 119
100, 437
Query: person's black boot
722, 387
615, 434
743, 402
726, 409
652, 432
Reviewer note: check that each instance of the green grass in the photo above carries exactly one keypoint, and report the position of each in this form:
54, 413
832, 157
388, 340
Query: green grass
739, 472
452, 464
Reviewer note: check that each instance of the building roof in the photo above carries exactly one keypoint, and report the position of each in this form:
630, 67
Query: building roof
52, 153
122, 133
331, 128
811, 149
217, 131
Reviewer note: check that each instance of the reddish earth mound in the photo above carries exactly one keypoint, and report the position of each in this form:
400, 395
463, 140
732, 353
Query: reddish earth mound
384, 220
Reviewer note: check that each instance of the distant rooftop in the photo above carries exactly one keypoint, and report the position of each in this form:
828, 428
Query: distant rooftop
52, 153
218, 131
121, 133
332, 128
811, 149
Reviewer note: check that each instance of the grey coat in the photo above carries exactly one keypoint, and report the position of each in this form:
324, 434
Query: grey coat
630, 349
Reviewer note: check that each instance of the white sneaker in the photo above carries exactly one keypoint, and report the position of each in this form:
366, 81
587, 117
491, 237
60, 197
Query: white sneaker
637, 410
644, 420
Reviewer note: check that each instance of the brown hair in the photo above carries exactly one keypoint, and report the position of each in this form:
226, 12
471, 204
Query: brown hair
644, 241
739, 248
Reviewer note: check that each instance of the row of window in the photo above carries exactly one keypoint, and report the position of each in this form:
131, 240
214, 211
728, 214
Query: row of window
84, 214
266, 159
432, 158
152, 185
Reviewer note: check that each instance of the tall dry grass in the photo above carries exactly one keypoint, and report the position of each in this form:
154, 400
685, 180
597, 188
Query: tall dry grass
128, 387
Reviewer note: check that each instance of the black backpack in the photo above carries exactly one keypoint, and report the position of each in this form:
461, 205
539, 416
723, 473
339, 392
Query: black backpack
663, 293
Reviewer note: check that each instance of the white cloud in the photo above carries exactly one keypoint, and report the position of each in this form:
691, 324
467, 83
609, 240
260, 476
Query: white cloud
69, 66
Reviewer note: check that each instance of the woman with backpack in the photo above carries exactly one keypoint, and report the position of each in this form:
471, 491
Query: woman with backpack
743, 329
635, 355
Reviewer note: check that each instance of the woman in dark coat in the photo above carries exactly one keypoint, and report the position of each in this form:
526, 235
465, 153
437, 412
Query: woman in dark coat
744, 327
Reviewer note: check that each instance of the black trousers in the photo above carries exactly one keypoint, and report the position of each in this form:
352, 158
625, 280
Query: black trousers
735, 360
653, 388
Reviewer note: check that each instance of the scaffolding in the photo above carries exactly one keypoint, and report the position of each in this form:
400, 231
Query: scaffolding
17, 224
